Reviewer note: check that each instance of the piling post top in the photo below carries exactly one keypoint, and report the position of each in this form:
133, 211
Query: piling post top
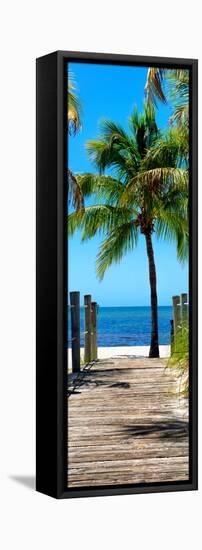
184, 296
74, 294
176, 299
87, 298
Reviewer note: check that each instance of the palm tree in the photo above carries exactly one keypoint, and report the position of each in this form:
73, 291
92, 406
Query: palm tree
74, 125
149, 193
173, 83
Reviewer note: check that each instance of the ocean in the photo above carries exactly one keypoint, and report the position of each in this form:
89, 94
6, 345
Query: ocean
126, 326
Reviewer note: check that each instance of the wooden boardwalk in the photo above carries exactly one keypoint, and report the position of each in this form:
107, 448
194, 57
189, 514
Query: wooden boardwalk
126, 425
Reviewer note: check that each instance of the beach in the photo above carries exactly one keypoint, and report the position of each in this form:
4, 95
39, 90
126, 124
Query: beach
122, 351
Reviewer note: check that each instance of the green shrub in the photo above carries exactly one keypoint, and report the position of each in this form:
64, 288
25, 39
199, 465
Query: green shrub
180, 356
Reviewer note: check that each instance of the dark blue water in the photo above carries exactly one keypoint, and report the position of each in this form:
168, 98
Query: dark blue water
127, 326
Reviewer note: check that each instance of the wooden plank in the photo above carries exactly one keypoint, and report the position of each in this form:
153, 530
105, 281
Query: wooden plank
164, 464
104, 439
93, 455
125, 425
116, 479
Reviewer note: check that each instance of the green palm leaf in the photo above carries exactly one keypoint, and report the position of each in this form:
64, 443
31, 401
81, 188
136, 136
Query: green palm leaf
154, 85
154, 182
73, 107
99, 219
75, 194
174, 84
173, 226
120, 241
170, 150
103, 187
114, 149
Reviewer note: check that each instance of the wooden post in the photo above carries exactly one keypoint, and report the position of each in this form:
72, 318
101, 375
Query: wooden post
87, 339
184, 307
94, 330
75, 324
176, 314
171, 336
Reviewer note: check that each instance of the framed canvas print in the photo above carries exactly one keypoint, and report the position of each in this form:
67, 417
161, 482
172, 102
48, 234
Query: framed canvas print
116, 274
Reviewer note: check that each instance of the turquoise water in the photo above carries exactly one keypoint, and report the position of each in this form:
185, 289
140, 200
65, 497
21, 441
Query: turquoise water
127, 326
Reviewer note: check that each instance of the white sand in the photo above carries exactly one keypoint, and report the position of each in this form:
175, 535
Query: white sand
123, 351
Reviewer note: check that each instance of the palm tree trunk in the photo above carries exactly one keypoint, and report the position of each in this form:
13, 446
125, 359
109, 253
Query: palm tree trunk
154, 346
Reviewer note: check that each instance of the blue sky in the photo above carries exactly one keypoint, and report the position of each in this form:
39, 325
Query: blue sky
108, 91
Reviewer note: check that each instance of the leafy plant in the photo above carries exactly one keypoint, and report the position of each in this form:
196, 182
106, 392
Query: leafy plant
180, 356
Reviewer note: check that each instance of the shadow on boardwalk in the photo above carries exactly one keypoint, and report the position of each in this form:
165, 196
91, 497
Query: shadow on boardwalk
126, 424
169, 429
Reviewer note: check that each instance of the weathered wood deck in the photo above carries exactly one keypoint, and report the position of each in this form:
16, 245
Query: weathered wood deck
126, 425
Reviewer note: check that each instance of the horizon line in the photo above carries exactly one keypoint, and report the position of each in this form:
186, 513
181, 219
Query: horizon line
162, 305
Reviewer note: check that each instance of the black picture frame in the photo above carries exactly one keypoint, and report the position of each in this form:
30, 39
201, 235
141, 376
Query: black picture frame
51, 274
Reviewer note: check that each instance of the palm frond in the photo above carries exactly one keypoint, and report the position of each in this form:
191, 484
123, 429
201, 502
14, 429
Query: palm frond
103, 187
73, 107
144, 128
176, 89
98, 219
98, 153
75, 194
178, 92
172, 227
112, 132
120, 241
114, 149
154, 86
180, 115
172, 150
153, 181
